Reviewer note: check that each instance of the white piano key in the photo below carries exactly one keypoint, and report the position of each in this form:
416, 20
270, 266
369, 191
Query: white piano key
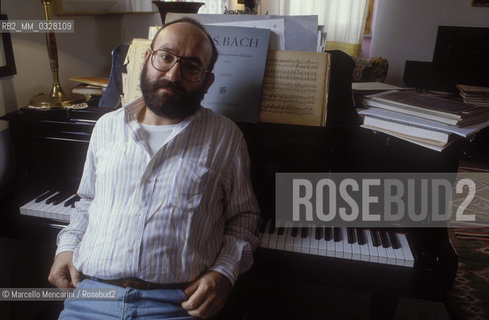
364, 253
355, 247
382, 254
265, 236
408, 255
272, 243
29, 204
282, 238
297, 247
306, 242
323, 247
314, 248
399, 254
373, 253
347, 250
289, 241
339, 247
331, 248
391, 255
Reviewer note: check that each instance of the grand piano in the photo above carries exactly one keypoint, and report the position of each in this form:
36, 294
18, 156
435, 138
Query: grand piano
50, 148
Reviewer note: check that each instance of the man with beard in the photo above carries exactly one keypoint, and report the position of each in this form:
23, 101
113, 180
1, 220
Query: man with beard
167, 214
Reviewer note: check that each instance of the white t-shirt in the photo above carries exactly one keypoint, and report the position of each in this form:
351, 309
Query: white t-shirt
156, 135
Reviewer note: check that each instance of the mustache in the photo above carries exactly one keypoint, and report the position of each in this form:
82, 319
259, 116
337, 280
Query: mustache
164, 83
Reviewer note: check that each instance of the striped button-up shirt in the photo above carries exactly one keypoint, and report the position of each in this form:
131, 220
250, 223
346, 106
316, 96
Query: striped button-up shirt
169, 217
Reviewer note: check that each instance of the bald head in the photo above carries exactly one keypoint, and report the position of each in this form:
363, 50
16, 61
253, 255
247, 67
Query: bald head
185, 27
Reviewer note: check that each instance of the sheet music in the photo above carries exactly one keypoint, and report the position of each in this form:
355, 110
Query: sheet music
133, 62
276, 26
295, 88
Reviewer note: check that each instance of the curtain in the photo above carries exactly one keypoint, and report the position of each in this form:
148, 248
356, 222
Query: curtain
343, 20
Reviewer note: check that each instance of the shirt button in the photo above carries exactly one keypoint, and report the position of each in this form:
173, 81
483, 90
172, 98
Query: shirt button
131, 250
139, 213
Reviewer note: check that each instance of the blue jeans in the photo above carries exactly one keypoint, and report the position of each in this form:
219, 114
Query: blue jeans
130, 304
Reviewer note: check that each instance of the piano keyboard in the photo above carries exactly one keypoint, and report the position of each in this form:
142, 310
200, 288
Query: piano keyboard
54, 205
368, 245
377, 246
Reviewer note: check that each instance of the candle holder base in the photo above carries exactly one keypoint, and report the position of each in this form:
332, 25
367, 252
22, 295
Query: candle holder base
47, 101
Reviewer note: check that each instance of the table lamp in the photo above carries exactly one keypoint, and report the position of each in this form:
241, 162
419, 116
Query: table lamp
57, 98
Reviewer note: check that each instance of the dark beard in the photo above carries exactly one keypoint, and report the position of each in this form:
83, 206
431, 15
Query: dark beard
177, 106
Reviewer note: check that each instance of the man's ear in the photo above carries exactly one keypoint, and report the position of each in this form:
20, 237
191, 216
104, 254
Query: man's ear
209, 80
147, 55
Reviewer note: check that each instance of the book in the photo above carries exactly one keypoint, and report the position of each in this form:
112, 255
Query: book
95, 81
429, 107
436, 137
475, 95
413, 121
426, 143
87, 89
239, 71
295, 88
133, 62
362, 89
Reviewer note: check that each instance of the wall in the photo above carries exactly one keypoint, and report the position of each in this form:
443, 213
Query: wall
406, 29
84, 52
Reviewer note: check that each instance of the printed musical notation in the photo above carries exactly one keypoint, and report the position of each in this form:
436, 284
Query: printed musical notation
295, 88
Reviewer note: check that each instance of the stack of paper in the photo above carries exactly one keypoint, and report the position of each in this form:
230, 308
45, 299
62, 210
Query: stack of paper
91, 87
478, 96
423, 119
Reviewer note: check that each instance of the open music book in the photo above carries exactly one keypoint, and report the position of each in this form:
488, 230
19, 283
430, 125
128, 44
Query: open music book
295, 88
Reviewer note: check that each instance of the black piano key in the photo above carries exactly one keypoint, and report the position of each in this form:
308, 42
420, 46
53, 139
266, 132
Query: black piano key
393, 239
319, 233
62, 197
304, 232
351, 235
327, 233
294, 231
384, 239
44, 196
361, 236
375, 237
52, 198
337, 234
71, 201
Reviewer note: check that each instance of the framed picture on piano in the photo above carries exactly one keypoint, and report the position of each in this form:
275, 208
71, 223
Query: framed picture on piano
7, 62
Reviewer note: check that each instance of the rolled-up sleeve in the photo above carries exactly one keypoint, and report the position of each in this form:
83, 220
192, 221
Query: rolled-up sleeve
241, 213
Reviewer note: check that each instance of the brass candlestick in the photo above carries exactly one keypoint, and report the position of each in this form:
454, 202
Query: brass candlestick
57, 98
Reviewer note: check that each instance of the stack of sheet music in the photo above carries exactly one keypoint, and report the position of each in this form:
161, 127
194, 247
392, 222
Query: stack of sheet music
91, 87
428, 120
478, 96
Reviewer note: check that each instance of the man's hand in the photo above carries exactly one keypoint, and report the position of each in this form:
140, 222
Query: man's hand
63, 273
207, 295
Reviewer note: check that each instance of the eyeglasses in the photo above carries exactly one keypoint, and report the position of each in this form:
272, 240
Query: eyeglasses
191, 68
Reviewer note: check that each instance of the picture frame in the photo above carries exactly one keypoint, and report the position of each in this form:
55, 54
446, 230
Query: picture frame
7, 62
480, 3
